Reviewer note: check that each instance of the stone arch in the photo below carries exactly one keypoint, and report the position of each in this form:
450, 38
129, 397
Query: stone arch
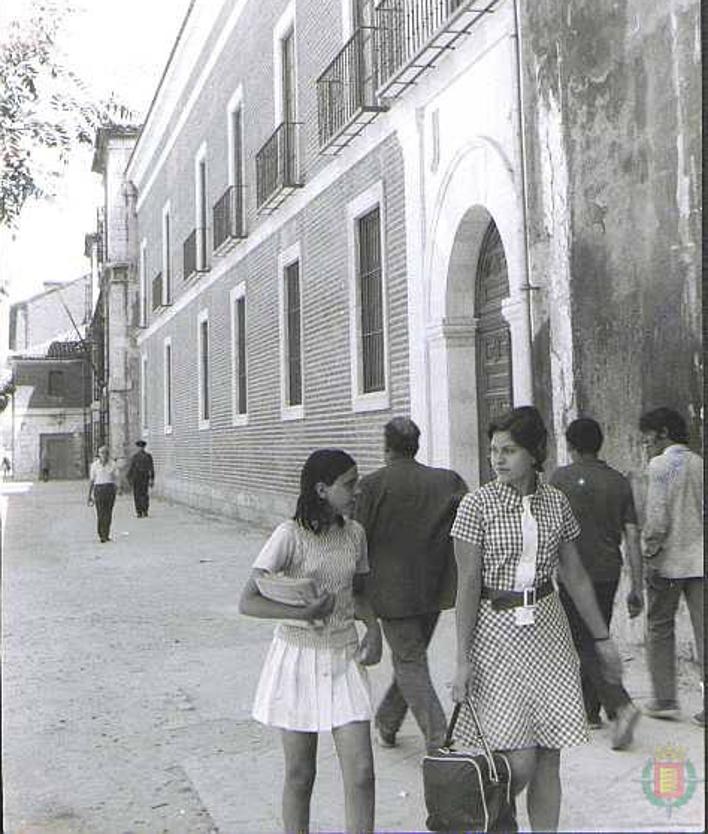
479, 186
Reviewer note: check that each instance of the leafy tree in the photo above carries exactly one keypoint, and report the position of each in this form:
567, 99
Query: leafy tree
46, 110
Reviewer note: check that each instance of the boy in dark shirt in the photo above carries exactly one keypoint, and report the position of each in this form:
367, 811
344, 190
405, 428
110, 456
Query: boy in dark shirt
602, 501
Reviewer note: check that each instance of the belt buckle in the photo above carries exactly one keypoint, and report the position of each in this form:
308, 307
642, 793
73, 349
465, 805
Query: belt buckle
529, 597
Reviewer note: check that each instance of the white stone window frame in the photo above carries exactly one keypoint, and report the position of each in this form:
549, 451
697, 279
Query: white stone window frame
144, 423
368, 200
143, 280
167, 272
283, 27
201, 201
202, 422
168, 387
286, 258
237, 293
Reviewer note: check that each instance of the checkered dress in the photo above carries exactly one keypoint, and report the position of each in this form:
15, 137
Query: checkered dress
525, 679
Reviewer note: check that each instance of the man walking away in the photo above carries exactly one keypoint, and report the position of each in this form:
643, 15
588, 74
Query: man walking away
141, 474
407, 510
672, 540
602, 501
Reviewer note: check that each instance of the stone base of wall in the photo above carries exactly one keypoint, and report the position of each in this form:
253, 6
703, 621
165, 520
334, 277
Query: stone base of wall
265, 509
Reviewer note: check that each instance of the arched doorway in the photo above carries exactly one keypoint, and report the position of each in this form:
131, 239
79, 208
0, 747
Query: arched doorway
493, 341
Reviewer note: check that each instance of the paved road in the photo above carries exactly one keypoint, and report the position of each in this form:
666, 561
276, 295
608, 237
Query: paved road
128, 677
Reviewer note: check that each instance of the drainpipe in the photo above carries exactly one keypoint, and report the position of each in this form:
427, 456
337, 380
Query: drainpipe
526, 287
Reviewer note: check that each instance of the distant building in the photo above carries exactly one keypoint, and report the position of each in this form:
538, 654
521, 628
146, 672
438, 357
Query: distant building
113, 326
349, 210
45, 423
49, 421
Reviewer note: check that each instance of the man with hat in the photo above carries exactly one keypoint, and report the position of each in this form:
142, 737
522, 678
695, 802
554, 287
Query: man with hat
141, 474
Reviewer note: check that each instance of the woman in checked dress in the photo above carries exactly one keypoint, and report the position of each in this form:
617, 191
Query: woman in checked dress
313, 678
515, 655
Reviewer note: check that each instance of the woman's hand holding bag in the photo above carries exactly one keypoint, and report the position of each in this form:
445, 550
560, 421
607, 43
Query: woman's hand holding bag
461, 682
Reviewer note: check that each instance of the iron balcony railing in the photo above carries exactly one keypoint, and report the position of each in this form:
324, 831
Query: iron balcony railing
228, 216
412, 33
157, 291
194, 252
276, 166
346, 90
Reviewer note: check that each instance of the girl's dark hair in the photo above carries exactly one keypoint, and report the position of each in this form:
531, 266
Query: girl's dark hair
525, 425
325, 466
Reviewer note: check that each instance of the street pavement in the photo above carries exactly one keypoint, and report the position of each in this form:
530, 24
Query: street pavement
128, 676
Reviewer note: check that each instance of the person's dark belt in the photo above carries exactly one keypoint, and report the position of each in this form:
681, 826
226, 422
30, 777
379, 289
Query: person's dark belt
503, 600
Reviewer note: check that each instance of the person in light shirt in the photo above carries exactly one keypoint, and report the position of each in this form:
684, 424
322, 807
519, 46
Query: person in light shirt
103, 486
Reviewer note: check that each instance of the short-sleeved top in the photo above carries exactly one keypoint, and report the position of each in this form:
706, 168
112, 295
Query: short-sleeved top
331, 558
407, 510
101, 473
602, 501
490, 517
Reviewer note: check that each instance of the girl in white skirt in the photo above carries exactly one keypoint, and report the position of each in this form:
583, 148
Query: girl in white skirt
313, 679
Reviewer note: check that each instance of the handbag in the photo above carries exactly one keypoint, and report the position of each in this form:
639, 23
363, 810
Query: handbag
467, 790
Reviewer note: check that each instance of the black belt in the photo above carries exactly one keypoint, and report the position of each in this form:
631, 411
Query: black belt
503, 600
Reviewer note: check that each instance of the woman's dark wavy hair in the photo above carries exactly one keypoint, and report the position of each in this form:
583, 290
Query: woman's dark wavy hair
526, 426
325, 466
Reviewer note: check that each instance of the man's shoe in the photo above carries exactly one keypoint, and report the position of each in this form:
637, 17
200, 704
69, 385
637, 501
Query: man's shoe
700, 718
666, 710
385, 739
623, 726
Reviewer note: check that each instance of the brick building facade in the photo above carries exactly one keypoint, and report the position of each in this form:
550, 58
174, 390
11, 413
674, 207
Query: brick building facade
348, 210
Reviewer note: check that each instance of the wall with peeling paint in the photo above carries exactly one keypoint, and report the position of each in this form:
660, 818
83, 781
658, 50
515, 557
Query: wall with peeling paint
612, 103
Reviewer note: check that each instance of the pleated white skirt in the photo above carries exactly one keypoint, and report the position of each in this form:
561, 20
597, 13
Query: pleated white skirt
311, 689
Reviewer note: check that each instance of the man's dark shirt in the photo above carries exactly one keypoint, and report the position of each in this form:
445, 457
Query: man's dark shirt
602, 502
141, 467
407, 510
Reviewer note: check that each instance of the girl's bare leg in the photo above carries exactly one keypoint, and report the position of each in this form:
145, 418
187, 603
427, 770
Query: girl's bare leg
300, 767
356, 759
543, 799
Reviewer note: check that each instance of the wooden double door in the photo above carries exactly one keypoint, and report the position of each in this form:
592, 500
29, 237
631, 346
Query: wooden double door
493, 342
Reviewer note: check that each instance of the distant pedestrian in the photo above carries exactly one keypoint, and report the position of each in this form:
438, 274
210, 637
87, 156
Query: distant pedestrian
6, 466
601, 500
672, 541
313, 679
141, 475
515, 655
103, 484
407, 510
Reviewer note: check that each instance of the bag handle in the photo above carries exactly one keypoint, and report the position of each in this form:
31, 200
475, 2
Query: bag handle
478, 727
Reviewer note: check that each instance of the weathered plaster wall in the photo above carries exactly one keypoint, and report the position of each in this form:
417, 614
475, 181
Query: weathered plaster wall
612, 108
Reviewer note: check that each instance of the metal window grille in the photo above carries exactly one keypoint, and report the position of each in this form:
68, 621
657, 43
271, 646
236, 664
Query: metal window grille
240, 351
294, 355
371, 303
204, 361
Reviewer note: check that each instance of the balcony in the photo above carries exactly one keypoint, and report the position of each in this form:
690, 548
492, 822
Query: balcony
229, 222
194, 252
277, 168
412, 35
346, 92
157, 292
